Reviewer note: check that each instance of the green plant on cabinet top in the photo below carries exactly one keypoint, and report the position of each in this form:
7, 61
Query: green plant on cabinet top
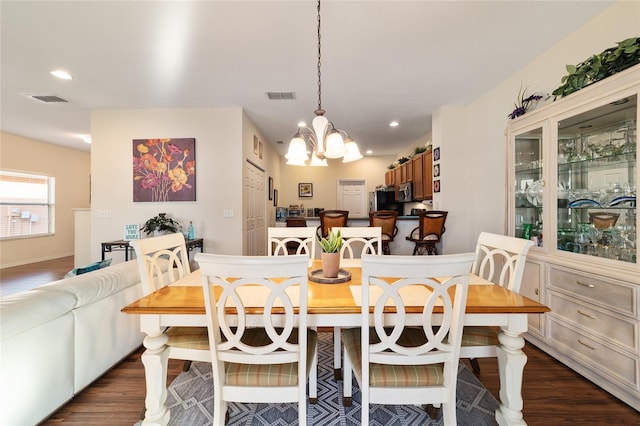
597, 67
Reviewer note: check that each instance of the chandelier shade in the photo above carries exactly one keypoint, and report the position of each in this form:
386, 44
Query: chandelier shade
324, 139
352, 152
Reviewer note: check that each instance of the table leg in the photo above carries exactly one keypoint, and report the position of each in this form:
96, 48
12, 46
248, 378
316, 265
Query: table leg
155, 360
511, 362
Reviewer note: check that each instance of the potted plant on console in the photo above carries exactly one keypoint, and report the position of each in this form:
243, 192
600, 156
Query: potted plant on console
330, 255
160, 225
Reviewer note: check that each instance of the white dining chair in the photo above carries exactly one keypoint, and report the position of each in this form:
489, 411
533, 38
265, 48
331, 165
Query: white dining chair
501, 260
263, 357
279, 240
357, 241
163, 261
408, 358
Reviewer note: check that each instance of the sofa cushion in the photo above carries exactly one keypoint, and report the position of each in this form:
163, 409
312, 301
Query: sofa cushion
23, 311
92, 286
88, 268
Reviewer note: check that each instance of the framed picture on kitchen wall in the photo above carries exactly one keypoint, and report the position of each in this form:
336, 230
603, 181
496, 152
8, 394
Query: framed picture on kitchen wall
275, 197
305, 190
270, 188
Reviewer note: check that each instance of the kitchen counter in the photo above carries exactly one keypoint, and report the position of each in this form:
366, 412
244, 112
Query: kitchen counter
399, 245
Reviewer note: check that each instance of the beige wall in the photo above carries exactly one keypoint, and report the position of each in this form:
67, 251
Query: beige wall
224, 140
71, 170
325, 180
270, 162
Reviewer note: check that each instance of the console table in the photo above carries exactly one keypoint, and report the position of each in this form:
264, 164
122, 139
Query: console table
123, 245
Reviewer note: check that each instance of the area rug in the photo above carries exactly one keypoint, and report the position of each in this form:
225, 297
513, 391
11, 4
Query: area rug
190, 399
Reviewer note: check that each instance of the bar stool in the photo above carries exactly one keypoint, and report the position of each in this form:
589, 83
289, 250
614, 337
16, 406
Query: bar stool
428, 232
385, 219
331, 219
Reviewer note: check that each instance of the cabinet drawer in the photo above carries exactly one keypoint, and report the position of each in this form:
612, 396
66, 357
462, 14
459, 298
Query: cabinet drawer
597, 355
600, 290
622, 331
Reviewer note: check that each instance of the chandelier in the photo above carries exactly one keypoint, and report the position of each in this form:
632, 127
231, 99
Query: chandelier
326, 140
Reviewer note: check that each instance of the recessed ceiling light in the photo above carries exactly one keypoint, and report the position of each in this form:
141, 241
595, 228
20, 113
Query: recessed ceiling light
86, 138
368, 151
394, 124
63, 75
302, 124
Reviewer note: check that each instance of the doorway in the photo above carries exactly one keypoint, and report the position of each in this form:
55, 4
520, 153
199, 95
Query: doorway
254, 206
352, 196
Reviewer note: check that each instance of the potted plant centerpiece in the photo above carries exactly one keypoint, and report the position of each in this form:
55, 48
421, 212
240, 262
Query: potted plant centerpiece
330, 255
160, 225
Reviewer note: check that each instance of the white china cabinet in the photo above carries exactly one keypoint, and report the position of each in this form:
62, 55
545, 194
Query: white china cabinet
573, 176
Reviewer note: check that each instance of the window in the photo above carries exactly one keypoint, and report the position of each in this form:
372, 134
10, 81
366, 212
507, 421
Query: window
26, 205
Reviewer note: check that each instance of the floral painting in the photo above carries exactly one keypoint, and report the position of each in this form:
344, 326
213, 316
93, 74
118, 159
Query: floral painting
164, 169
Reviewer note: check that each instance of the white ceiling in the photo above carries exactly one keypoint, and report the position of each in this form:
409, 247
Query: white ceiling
381, 60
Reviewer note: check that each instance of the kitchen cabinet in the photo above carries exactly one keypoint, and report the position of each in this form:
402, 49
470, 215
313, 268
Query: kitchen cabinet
419, 171
573, 173
389, 178
427, 175
418, 176
408, 171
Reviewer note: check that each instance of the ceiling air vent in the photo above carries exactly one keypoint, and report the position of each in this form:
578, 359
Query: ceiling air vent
48, 99
281, 96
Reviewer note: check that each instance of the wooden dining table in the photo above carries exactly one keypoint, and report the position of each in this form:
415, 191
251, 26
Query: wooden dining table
333, 305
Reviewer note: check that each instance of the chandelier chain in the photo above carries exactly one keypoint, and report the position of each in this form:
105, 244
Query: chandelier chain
319, 63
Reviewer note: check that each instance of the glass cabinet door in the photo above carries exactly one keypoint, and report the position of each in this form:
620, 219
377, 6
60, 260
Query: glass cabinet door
596, 192
528, 185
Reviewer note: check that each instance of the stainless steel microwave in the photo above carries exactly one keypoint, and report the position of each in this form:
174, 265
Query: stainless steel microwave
405, 192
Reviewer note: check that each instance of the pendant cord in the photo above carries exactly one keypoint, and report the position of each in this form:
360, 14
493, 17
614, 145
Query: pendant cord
319, 63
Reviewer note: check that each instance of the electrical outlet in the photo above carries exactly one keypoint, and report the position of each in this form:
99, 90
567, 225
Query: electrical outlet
227, 213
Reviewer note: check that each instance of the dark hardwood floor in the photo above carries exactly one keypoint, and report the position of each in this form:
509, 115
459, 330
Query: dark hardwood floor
553, 394
25, 277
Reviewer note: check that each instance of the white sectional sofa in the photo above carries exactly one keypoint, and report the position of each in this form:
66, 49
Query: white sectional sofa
58, 338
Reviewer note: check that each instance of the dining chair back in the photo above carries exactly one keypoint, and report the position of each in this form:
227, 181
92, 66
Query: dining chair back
429, 231
331, 219
406, 357
386, 220
258, 356
162, 261
295, 222
279, 239
357, 241
501, 260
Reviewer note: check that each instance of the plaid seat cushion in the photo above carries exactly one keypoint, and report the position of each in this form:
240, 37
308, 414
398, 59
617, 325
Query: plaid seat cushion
188, 337
268, 374
382, 375
480, 336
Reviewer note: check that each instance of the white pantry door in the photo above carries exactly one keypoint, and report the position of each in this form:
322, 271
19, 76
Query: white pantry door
254, 206
352, 196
